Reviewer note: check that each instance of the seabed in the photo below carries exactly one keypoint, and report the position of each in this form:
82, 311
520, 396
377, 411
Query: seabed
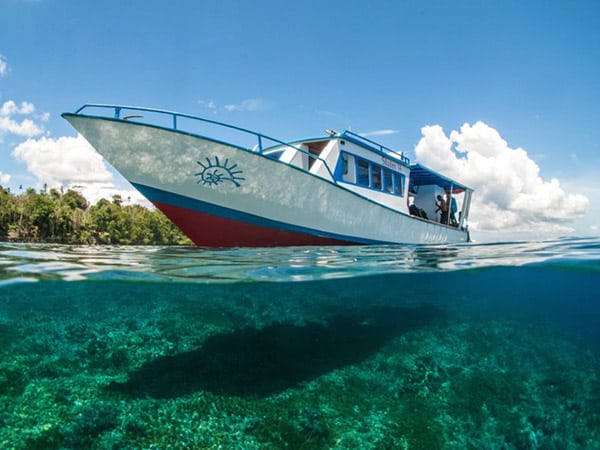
220, 367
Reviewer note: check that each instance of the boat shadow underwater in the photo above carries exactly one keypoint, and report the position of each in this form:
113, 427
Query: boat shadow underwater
259, 362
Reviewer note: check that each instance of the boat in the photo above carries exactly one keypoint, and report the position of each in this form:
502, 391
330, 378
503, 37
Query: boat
226, 186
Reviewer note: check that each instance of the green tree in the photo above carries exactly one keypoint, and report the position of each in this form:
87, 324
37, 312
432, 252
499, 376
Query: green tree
75, 200
51, 216
7, 211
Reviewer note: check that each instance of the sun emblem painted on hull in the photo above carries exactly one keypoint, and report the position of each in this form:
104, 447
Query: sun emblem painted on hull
217, 172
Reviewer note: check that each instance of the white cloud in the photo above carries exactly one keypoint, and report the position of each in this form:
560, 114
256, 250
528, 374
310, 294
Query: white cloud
96, 191
10, 108
26, 127
250, 104
326, 113
71, 162
4, 178
209, 104
62, 160
587, 183
3, 66
379, 133
510, 195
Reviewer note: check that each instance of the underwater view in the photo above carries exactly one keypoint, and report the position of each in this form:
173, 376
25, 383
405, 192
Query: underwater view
491, 346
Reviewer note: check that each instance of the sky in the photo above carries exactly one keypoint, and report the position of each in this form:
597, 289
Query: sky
502, 95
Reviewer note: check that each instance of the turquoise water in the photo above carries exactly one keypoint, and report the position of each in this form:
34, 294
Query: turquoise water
474, 346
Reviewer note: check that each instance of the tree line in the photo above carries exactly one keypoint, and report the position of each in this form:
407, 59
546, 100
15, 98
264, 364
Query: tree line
67, 217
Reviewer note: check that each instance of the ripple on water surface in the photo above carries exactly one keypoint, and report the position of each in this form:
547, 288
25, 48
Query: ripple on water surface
193, 264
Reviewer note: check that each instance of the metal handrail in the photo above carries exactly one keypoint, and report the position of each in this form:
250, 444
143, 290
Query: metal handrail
174, 115
382, 148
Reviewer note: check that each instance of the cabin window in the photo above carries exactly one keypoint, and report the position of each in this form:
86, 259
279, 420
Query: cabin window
346, 169
376, 177
398, 183
363, 172
388, 182
371, 175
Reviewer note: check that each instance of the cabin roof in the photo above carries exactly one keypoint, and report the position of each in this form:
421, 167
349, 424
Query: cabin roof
375, 147
424, 176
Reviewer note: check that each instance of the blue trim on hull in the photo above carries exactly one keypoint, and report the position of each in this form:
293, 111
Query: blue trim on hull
180, 201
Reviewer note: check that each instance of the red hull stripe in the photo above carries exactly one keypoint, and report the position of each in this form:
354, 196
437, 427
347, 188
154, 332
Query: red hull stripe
212, 231
211, 225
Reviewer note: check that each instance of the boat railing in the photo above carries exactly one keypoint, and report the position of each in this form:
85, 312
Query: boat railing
180, 122
378, 146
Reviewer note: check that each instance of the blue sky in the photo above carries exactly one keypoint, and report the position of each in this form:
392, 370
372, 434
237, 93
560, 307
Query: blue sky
529, 71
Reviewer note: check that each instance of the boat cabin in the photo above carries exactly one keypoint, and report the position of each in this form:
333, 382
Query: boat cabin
380, 174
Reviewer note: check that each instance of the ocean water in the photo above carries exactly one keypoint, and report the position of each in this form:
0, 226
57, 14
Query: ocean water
389, 347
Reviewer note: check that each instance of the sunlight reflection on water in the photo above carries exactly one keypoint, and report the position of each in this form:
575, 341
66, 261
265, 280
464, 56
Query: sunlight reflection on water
41, 261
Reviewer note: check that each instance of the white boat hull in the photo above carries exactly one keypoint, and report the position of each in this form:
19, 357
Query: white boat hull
223, 195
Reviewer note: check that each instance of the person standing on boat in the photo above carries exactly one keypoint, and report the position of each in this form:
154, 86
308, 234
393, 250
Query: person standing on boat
442, 206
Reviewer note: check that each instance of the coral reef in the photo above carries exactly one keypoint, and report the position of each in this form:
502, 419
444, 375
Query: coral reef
140, 365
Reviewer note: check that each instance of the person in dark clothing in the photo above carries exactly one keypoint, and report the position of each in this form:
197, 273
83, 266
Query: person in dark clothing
442, 206
416, 211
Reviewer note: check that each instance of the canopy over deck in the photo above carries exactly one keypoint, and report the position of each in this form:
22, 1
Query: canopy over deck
423, 176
